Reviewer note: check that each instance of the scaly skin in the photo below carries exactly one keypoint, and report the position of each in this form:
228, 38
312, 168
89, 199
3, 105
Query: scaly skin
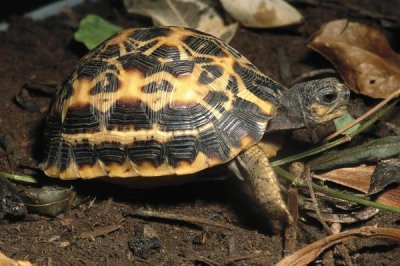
253, 166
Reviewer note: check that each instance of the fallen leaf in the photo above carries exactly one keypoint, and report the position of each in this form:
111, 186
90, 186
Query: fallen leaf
194, 14
386, 173
93, 30
377, 149
262, 13
362, 55
390, 197
358, 177
6, 261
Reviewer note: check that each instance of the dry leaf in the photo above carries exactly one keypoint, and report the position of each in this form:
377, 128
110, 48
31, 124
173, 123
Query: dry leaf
390, 197
359, 178
6, 261
362, 55
193, 14
262, 13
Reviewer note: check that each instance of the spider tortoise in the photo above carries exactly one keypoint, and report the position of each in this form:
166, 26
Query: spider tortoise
164, 103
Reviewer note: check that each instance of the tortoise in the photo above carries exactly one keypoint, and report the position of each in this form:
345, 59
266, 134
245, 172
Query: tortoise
169, 102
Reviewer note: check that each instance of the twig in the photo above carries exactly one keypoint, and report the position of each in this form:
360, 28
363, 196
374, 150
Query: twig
290, 239
183, 218
307, 254
364, 116
104, 230
341, 247
207, 261
307, 173
245, 257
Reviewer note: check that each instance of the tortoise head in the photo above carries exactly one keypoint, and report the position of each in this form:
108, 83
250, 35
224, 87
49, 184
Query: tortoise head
309, 103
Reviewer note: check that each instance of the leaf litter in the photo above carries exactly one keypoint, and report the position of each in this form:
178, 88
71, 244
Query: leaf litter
263, 13
361, 54
195, 14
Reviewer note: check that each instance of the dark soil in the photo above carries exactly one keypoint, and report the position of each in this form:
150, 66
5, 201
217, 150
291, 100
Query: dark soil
45, 51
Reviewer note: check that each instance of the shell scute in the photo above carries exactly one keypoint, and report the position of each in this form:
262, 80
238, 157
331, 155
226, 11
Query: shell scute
154, 102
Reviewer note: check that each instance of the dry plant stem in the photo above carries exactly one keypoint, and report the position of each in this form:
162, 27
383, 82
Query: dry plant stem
337, 142
207, 261
290, 239
309, 253
183, 218
240, 258
104, 230
364, 116
334, 193
308, 178
341, 247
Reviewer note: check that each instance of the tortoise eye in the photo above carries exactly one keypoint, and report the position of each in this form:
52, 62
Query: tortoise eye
329, 97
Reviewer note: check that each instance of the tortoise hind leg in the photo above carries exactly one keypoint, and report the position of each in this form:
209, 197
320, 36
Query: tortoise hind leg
253, 166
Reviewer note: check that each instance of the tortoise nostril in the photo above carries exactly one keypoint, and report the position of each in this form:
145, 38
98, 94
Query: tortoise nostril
346, 95
329, 97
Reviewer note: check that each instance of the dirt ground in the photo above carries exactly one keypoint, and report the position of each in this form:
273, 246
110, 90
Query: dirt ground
45, 51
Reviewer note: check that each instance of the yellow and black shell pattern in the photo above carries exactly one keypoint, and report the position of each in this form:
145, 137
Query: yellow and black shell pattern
156, 102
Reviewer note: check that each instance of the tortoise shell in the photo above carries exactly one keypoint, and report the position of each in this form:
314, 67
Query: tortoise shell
155, 102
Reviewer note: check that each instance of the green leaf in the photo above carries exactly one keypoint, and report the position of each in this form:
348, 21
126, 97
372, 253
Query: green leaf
93, 30
377, 150
20, 178
344, 120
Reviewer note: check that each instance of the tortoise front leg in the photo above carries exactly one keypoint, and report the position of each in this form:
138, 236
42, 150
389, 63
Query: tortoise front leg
253, 166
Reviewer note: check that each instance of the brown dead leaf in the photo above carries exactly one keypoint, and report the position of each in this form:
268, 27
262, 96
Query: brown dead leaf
362, 55
359, 178
6, 261
390, 197
195, 14
262, 13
